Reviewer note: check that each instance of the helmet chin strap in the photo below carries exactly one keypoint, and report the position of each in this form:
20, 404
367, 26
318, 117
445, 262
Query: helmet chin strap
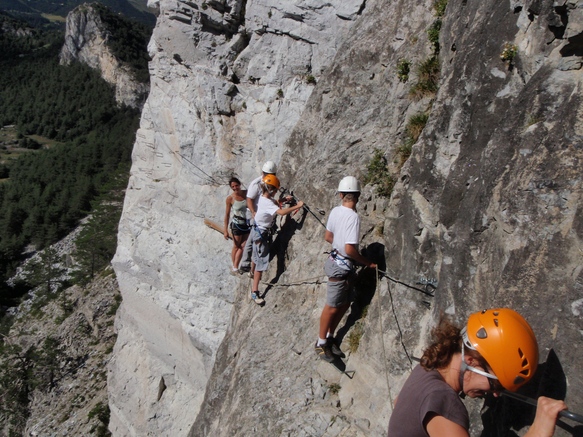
463, 368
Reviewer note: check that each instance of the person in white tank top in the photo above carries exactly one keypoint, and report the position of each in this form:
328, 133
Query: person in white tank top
237, 203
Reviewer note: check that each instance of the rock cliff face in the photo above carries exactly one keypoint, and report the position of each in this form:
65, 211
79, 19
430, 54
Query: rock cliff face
86, 40
487, 208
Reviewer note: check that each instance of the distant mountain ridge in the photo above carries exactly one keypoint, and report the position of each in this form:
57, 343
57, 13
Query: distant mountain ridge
111, 45
37, 12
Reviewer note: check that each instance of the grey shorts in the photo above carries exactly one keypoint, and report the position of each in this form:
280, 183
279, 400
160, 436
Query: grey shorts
337, 292
260, 254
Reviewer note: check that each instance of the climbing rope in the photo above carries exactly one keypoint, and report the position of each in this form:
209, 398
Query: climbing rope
210, 178
383, 338
306, 281
426, 291
398, 325
285, 191
207, 178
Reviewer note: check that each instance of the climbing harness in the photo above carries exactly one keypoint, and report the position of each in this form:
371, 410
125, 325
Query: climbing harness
343, 262
264, 234
240, 223
243, 228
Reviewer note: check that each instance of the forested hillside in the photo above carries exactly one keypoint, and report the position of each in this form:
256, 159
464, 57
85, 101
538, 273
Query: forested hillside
65, 146
44, 12
87, 144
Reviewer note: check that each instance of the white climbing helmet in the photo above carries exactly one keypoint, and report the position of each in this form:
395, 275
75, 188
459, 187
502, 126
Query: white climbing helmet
269, 167
349, 184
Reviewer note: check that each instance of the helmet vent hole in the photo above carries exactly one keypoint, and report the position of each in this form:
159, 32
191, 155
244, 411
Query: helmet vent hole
518, 380
482, 333
496, 322
496, 313
524, 360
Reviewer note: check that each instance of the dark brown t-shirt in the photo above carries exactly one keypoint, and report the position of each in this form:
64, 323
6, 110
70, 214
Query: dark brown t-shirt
425, 392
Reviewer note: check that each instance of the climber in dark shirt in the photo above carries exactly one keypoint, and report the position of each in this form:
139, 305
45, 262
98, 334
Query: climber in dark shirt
496, 350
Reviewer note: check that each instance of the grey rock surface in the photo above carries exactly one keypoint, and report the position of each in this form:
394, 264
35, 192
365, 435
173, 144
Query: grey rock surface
79, 326
487, 208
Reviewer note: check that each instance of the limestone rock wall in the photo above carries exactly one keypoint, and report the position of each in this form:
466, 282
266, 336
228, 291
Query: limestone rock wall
86, 41
487, 208
229, 82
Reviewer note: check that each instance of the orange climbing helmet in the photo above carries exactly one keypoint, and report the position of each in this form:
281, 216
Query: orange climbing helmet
271, 179
507, 343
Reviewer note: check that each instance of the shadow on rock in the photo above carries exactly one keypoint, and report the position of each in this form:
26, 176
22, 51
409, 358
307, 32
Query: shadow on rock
364, 285
280, 245
503, 414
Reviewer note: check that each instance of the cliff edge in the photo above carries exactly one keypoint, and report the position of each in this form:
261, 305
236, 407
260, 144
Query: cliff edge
88, 40
485, 212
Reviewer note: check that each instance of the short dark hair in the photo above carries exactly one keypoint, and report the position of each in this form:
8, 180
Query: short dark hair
351, 196
234, 179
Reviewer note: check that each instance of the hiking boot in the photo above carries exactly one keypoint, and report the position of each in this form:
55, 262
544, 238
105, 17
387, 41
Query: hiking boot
324, 352
234, 272
335, 348
258, 300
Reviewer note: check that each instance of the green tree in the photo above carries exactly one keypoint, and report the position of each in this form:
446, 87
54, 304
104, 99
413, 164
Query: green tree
46, 270
97, 241
46, 367
16, 375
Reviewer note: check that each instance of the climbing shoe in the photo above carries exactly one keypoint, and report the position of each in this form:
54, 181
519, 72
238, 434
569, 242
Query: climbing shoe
324, 352
335, 348
258, 300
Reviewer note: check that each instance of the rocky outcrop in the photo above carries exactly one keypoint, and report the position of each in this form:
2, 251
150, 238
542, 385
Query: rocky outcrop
220, 104
484, 213
86, 41
66, 343
12, 27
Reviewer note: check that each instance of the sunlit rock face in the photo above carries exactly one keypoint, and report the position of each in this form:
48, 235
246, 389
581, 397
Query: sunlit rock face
86, 41
486, 211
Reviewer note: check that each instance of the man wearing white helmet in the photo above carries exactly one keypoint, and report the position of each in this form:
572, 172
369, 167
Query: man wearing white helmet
342, 231
253, 195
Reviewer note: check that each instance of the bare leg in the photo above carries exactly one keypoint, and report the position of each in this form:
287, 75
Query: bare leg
237, 252
330, 319
256, 279
234, 254
338, 317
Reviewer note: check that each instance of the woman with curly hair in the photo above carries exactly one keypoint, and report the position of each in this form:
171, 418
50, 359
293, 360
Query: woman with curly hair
496, 350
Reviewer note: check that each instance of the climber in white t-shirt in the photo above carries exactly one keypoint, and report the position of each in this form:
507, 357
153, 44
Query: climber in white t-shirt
342, 231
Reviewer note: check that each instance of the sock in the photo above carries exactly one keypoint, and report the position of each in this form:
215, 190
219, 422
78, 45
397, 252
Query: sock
321, 342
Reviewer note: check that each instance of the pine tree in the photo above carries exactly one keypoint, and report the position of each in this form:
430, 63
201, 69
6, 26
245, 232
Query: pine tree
46, 270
